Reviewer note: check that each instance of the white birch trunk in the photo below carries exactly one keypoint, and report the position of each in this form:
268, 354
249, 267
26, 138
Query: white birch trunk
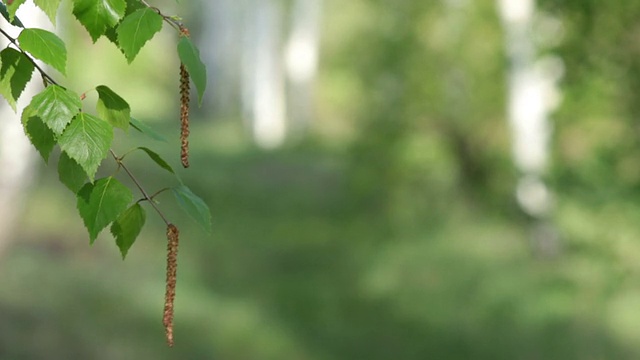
301, 55
17, 156
263, 74
532, 96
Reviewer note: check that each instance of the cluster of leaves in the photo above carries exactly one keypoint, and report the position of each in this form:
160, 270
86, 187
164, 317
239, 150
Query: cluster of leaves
56, 115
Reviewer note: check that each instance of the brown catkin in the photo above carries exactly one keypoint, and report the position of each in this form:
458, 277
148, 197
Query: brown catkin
172, 269
184, 116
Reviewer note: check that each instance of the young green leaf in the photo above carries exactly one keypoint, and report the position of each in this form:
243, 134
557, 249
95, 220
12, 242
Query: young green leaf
87, 140
132, 5
27, 113
136, 29
190, 57
5, 14
157, 159
71, 173
42, 138
46, 46
146, 130
98, 15
13, 7
15, 72
194, 206
127, 227
56, 106
101, 203
50, 7
113, 108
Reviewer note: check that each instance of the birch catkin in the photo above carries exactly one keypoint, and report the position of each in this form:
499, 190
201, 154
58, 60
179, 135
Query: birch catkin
184, 116
172, 268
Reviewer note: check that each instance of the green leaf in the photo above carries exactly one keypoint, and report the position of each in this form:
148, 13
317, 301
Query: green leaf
132, 5
15, 72
42, 138
71, 173
136, 29
27, 113
100, 204
127, 227
194, 206
5, 14
146, 130
50, 7
98, 15
113, 108
190, 57
46, 46
13, 7
87, 140
56, 106
157, 159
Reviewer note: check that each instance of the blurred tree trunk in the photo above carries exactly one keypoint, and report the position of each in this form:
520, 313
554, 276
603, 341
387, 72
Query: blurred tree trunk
223, 26
302, 51
263, 73
261, 67
532, 96
16, 161
17, 157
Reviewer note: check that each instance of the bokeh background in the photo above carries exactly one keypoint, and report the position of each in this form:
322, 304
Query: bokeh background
405, 179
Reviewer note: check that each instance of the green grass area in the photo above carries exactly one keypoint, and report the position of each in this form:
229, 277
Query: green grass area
295, 270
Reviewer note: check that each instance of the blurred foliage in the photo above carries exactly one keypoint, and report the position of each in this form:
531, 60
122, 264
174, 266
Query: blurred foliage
390, 233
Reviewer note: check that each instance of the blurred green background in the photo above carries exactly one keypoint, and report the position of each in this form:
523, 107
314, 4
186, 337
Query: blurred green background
388, 229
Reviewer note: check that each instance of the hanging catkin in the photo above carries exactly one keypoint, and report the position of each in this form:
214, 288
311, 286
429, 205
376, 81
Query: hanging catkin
184, 116
184, 108
172, 268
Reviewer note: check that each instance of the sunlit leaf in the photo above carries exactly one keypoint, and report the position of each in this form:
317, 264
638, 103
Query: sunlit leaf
127, 227
98, 15
5, 14
13, 7
50, 7
136, 29
101, 203
132, 5
46, 46
113, 108
87, 140
56, 106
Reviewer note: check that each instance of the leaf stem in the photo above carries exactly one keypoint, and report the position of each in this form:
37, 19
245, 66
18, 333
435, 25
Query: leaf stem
137, 183
44, 75
121, 157
159, 192
168, 19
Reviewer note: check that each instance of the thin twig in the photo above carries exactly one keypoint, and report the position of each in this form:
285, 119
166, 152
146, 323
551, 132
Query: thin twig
118, 160
135, 181
158, 192
171, 21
